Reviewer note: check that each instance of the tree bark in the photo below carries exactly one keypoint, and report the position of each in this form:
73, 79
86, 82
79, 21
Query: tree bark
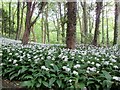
9, 18
28, 24
103, 38
98, 12
21, 22
116, 24
18, 20
71, 24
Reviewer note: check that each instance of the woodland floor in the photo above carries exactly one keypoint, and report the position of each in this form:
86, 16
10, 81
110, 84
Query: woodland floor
8, 85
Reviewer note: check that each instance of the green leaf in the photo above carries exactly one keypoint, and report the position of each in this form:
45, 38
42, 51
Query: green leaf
107, 75
59, 82
89, 82
51, 81
55, 68
45, 84
13, 76
27, 84
28, 77
82, 85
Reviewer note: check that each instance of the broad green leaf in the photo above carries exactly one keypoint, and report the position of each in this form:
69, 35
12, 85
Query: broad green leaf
89, 82
51, 81
59, 82
107, 75
82, 85
45, 84
55, 68
27, 84
28, 77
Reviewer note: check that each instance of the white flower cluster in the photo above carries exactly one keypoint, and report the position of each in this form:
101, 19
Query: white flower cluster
44, 68
66, 68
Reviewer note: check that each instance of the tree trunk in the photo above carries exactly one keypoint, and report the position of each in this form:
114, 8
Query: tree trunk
98, 12
34, 38
71, 24
116, 24
27, 24
18, 19
107, 32
85, 21
9, 18
2, 19
103, 38
118, 40
21, 22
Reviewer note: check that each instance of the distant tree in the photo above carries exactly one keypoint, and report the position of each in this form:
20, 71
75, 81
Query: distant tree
71, 24
97, 22
29, 23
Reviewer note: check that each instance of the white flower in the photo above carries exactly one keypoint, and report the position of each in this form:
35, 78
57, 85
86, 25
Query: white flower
43, 67
82, 60
75, 72
116, 78
88, 61
64, 67
42, 58
93, 63
112, 60
52, 64
68, 69
16, 64
10, 53
115, 67
1, 64
48, 57
35, 56
10, 60
16, 54
70, 80
65, 59
106, 63
97, 65
77, 66
14, 61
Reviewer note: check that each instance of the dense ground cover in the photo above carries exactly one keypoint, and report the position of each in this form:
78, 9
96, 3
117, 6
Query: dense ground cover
40, 66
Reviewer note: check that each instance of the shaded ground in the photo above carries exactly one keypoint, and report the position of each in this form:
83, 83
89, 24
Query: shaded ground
8, 85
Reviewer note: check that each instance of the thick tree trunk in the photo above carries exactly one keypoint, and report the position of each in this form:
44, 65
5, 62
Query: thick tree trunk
98, 12
71, 25
27, 24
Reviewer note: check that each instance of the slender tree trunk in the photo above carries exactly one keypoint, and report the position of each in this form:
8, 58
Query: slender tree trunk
79, 19
9, 18
71, 24
98, 12
107, 30
47, 24
21, 23
103, 38
118, 40
34, 38
18, 19
42, 25
116, 24
2, 20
